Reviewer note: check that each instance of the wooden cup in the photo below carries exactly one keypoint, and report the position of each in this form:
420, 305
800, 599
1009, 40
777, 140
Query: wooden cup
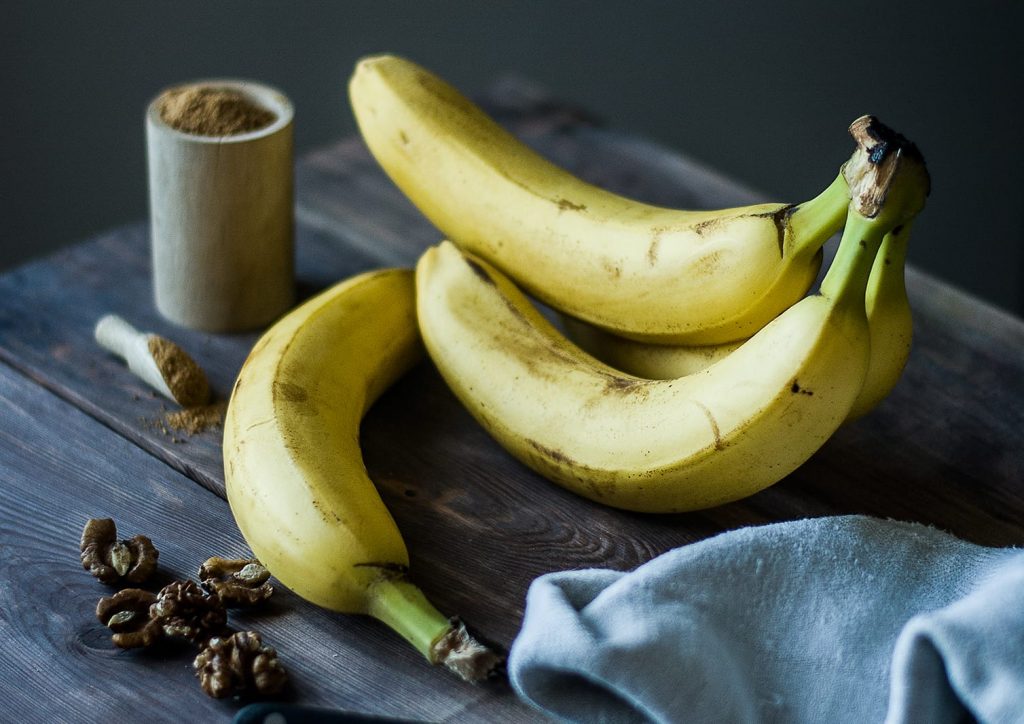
222, 219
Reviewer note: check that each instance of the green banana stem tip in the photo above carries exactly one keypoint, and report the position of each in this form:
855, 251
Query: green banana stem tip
401, 605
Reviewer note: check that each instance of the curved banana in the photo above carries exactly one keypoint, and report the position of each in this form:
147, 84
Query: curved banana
890, 319
294, 472
640, 271
656, 445
889, 322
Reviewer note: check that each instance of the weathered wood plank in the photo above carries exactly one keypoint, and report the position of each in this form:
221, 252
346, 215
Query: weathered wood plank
51, 307
59, 467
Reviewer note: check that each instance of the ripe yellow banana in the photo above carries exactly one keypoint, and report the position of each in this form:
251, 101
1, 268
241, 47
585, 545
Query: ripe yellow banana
889, 322
640, 271
295, 477
657, 445
890, 319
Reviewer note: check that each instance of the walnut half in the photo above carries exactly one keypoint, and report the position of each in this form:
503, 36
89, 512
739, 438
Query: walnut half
185, 611
239, 664
126, 613
112, 560
238, 581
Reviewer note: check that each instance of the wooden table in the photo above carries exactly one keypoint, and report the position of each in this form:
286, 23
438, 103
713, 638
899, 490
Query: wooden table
80, 437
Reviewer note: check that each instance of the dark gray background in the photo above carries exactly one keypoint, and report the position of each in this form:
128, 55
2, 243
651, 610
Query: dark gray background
762, 91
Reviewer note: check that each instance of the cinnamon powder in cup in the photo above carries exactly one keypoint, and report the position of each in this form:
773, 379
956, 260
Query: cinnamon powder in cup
211, 111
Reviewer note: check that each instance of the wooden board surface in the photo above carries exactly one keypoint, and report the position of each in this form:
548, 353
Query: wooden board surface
60, 468
947, 448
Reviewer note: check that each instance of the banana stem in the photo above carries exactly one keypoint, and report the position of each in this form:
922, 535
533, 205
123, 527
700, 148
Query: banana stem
888, 273
895, 245
813, 222
402, 606
847, 278
890, 182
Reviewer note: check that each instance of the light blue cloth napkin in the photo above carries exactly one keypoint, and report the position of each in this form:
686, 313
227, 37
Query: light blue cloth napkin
846, 619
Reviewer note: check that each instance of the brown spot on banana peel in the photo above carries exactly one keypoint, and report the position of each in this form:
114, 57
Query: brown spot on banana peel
563, 204
652, 250
780, 217
326, 514
290, 392
598, 490
567, 205
625, 385
254, 425
621, 383
708, 264
552, 454
715, 430
796, 389
295, 397
613, 383
443, 93
782, 226
536, 355
527, 356
703, 227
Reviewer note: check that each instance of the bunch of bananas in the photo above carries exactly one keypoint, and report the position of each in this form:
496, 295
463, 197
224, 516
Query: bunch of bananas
710, 372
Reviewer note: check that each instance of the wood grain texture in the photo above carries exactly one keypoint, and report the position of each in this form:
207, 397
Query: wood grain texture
947, 448
46, 327
59, 468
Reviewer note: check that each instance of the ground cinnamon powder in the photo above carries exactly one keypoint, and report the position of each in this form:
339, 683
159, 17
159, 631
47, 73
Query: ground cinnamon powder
193, 420
210, 111
184, 378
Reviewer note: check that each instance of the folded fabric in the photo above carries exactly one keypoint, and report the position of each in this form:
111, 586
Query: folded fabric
843, 619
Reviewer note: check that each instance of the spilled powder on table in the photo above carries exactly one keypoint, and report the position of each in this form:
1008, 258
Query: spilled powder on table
193, 420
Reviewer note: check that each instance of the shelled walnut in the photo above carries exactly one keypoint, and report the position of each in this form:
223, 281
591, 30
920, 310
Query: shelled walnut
186, 611
112, 560
127, 614
239, 664
239, 582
